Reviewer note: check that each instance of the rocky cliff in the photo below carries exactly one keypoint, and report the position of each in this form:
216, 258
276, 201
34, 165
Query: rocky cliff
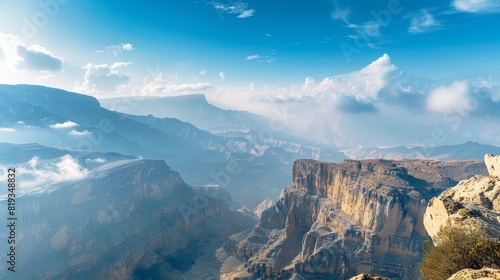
472, 201
340, 220
128, 220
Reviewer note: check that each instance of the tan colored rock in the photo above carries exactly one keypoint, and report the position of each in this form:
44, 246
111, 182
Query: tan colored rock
479, 196
480, 274
345, 219
367, 277
493, 165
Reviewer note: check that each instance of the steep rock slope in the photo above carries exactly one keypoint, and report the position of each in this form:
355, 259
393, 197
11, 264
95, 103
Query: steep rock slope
340, 220
129, 219
476, 200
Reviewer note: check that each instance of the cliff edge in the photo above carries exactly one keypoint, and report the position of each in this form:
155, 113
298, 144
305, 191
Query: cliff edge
476, 200
339, 220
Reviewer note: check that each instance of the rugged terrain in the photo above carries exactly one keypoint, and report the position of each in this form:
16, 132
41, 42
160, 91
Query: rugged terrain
473, 201
340, 220
124, 219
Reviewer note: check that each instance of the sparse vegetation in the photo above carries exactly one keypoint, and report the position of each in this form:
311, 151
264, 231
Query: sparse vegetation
458, 248
463, 212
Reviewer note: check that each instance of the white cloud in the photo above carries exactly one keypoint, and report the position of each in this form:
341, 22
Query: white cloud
19, 56
268, 59
252, 57
453, 98
422, 23
102, 78
222, 76
6, 129
246, 14
477, 6
203, 72
364, 84
164, 84
117, 49
353, 92
79, 133
234, 7
67, 124
37, 175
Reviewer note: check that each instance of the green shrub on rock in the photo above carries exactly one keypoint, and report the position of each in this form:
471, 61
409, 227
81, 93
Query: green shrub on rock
458, 248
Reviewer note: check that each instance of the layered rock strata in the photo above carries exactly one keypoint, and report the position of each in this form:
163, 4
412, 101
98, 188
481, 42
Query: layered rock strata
137, 220
340, 220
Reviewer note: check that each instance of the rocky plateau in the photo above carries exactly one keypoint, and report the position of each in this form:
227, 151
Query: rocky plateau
339, 220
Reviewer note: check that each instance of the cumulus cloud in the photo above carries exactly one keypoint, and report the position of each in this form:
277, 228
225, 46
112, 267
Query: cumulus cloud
422, 23
354, 92
117, 49
455, 97
37, 175
164, 84
222, 76
101, 78
6, 129
20, 56
67, 124
363, 84
238, 8
477, 6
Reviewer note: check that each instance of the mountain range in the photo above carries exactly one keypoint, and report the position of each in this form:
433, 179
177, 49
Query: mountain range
98, 197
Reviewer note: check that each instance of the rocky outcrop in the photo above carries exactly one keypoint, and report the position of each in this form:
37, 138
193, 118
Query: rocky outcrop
475, 201
367, 277
493, 164
341, 220
133, 220
481, 274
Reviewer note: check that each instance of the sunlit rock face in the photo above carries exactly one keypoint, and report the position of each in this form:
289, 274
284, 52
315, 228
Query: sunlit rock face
337, 221
127, 219
475, 201
493, 164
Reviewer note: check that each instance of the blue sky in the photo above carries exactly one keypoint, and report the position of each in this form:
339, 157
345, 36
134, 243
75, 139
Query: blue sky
265, 42
243, 53
409, 67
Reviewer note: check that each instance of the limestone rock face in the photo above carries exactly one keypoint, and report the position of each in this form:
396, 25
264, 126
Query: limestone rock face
493, 164
481, 274
340, 220
134, 221
476, 200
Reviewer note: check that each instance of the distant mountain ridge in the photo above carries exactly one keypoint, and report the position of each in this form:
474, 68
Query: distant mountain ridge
67, 120
467, 151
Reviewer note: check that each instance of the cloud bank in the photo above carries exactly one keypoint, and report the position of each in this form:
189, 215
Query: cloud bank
38, 175
19, 56
165, 84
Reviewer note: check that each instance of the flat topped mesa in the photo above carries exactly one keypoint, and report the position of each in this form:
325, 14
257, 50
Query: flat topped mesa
492, 164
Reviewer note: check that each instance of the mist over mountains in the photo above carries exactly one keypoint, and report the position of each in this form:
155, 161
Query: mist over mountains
96, 195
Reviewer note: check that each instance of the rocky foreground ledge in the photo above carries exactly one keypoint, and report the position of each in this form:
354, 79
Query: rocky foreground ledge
473, 201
